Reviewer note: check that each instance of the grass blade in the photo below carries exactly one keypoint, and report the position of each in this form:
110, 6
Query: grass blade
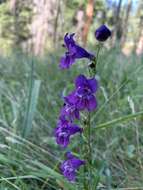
119, 120
31, 108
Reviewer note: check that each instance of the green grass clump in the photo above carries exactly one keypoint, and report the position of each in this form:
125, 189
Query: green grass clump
30, 99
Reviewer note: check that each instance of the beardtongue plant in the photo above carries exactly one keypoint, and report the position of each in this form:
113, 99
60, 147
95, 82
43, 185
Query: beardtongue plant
81, 100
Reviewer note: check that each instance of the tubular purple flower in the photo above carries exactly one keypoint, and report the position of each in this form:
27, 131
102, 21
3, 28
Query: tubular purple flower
86, 101
102, 33
82, 96
83, 83
70, 166
74, 52
69, 110
64, 131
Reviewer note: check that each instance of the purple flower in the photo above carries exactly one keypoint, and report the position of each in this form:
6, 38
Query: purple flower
102, 33
83, 96
74, 52
90, 85
64, 130
69, 167
70, 110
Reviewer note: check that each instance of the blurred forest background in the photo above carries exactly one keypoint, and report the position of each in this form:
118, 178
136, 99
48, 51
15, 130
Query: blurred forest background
37, 26
31, 86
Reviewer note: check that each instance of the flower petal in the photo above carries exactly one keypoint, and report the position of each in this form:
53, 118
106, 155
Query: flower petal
76, 163
70, 174
73, 129
68, 39
72, 97
93, 84
80, 81
66, 61
69, 167
62, 140
82, 53
92, 103
81, 103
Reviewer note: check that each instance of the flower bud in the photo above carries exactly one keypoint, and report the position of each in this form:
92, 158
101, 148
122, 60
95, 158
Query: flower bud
102, 33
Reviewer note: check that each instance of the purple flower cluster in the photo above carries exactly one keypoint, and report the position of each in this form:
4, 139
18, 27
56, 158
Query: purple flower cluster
82, 98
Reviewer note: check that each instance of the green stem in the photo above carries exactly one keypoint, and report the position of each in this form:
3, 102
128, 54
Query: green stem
93, 64
98, 50
89, 153
87, 132
85, 183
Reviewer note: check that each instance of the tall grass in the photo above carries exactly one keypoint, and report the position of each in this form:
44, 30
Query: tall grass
30, 99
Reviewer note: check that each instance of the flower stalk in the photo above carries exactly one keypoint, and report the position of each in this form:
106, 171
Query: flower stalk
81, 99
89, 152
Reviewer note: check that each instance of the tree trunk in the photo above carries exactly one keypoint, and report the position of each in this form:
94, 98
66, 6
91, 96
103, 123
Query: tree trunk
89, 17
14, 8
43, 24
78, 21
19, 29
58, 10
12, 5
138, 42
125, 24
138, 48
118, 22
